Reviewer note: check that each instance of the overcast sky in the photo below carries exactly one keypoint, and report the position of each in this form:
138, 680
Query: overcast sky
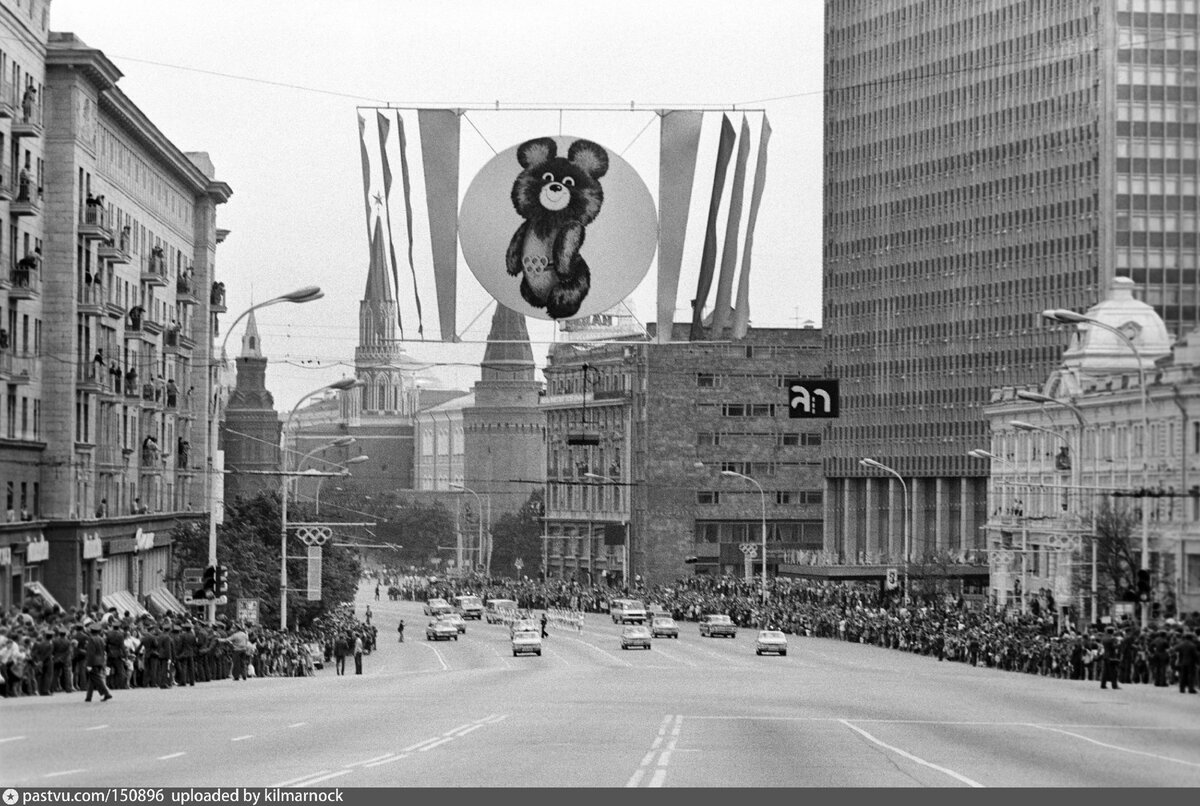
270, 90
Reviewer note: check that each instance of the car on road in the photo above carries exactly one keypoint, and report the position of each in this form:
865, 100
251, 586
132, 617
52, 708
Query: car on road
664, 627
524, 624
436, 607
635, 635
770, 641
440, 630
527, 642
627, 611
499, 609
469, 607
457, 620
715, 624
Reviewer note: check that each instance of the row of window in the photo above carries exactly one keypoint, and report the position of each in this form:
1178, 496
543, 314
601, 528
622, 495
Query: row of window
779, 496
779, 440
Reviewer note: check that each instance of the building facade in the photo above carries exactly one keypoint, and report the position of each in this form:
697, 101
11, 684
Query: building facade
1108, 432
638, 437
250, 429
984, 162
108, 316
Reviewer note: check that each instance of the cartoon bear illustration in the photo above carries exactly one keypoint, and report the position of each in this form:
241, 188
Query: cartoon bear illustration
558, 198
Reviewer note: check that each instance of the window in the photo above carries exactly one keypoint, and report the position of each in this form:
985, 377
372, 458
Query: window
706, 380
708, 497
783, 497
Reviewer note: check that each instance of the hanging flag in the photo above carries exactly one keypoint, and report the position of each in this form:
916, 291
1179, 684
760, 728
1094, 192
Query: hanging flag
721, 308
408, 222
439, 129
387, 202
366, 170
709, 256
679, 140
741, 312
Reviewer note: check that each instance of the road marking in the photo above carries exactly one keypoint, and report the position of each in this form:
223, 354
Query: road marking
172, 755
435, 744
557, 656
590, 645
242, 738
64, 772
669, 656
369, 760
646, 759
297, 724
416, 746
386, 760
1117, 747
636, 778
657, 778
441, 660
664, 759
312, 781
97, 727
11, 739
468, 730
493, 719
453, 731
964, 779
503, 659
291, 781
657, 741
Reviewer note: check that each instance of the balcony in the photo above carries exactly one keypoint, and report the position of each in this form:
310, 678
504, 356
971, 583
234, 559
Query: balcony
26, 284
90, 377
112, 306
152, 397
116, 252
170, 343
28, 199
29, 122
152, 326
154, 270
138, 332
93, 223
25, 367
186, 342
90, 300
185, 289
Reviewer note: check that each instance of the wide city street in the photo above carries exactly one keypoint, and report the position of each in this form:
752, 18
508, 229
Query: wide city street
692, 712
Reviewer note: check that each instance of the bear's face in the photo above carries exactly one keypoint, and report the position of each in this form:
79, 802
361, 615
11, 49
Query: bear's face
552, 190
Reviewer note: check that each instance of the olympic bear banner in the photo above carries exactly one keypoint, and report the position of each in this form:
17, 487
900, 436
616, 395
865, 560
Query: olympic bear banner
565, 213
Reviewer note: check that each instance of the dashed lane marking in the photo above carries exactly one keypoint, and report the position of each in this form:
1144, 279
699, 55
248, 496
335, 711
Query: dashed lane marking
964, 779
64, 772
418, 745
369, 760
242, 738
592, 646
656, 780
1116, 747
462, 733
291, 781
387, 760
441, 660
453, 731
11, 739
97, 727
435, 744
171, 755
297, 724
640, 772
312, 781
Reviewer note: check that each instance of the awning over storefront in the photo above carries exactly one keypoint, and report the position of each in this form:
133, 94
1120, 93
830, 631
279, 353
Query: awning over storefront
124, 602
38, 589
162, 603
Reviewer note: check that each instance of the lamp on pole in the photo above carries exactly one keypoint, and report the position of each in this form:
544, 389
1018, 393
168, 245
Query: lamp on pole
907, 512
479, 506
340, 385
301, 295
1063, 316
353, 460
625, 547
340, 442
735, 474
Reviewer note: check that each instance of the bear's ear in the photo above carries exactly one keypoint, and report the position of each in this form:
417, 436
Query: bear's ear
589, 157
536, 152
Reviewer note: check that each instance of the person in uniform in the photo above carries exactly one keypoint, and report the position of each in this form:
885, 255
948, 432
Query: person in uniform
1111, 659
1186, 656
114, 641
41, 656
61, 659
97, 657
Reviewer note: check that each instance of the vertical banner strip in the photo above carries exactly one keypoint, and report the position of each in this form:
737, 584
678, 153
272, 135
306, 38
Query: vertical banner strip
709, 257
404, 302
440, 150
679, 141
741, 311
384, 127
721, 307
366, 170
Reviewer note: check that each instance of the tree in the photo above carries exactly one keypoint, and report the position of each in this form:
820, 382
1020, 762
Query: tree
519, 535
1116, 560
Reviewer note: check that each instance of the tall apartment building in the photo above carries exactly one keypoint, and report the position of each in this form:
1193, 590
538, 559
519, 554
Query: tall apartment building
638, 435
985, 161
109, 250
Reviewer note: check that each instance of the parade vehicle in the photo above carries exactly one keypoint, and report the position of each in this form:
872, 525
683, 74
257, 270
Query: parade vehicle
441, 630
522, 625
469, 607
627, 611
498, 609
527, 642
457, 620
715, 624
635, 635
437, 607
664, 627
770, 641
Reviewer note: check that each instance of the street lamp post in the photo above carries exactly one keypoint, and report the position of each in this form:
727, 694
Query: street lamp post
339, 385
907, 512
1065, 316
479, 507
735, 474
625, 547
353, 460
340, 442
299, 296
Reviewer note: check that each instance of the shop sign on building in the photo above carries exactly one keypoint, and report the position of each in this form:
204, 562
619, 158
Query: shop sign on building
37, 551
93, 547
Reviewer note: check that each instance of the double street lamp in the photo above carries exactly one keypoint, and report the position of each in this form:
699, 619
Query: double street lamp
907, 511
625, 546
479, 519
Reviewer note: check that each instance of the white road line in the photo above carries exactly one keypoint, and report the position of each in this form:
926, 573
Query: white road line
435, 744
636, 778
369, 760
657, 741
242, 738
503, 659
291, 781
462, 733
601, 651
656, 780
678, 725
1117, 747
669, 656
646, 759
418, 745
493, 719
172, 755
64, 772
97, 727
312, 781
441, 660
453, 731
557, 656
964, 779
297, 724
386, 760
11, 739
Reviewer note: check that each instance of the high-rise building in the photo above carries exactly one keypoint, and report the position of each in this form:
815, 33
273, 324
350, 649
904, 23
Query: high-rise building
985, 161
109, 306
250, 431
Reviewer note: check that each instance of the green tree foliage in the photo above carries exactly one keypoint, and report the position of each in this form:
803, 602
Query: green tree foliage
248, 545
1117, 558
519, 534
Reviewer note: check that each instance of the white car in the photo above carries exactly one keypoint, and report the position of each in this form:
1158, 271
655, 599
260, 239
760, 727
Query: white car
524, 625
770, 641
635, 635
437, 607
457, 620
527, 642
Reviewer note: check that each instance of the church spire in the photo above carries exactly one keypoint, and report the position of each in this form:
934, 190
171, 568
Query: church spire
377, 311
251, 343
508, 356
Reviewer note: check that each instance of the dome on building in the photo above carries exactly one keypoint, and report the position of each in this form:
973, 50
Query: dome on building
1098, 351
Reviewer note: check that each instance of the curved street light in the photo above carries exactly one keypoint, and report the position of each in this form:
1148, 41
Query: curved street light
353, 460
625, 546
907, 512
299, 296
1064, 316
479, 506
735, 474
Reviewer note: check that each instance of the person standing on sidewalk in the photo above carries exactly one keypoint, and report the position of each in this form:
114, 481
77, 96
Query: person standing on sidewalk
358, 653
97, 656
1110, 658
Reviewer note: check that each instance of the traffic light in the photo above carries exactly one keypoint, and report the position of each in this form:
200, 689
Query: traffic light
221, 580
208, 584
1143, 584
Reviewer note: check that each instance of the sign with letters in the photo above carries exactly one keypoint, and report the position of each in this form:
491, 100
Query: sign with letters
892, 582
314, 573
810, 398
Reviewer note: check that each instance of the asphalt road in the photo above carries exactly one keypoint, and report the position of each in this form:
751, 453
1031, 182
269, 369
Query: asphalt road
692, 712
